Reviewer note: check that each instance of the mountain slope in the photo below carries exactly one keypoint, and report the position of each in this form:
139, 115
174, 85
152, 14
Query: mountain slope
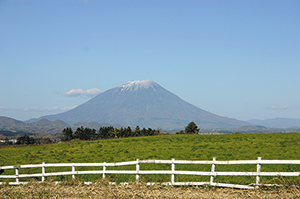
143, 103
41, 126
277, 122
6, 122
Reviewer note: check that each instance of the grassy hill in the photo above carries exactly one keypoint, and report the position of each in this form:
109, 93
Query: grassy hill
181, 147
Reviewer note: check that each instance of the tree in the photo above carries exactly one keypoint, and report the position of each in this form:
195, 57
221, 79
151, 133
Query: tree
150, 132
85, 133
25, 139
116, 133
67, 134
79, 134
105, 132
128, 132
144, 132
93, 134
137, 131
191, 128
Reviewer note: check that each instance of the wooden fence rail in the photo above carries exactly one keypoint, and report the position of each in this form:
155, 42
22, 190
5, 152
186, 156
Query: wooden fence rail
137, 172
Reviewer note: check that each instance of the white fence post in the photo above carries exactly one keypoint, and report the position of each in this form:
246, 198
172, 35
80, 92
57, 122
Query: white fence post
213, 166
258, 171
17, 173
137, 177
173, 170
73, 170
43, 172
104, 169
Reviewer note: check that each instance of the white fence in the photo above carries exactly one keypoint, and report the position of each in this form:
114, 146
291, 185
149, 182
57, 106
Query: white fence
137, 172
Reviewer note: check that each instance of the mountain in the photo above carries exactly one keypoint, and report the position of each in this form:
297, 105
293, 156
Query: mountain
277, 122
60, 124
32, 120
6, 122
143, 103
44, 123
251, 129
41, 126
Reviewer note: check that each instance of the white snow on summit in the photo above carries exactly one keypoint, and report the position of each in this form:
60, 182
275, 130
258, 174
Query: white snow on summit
136, 85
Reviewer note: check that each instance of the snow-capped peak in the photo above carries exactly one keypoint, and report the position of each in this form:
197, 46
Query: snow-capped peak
136, 85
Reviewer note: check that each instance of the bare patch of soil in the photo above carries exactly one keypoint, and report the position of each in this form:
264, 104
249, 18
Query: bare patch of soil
102, 190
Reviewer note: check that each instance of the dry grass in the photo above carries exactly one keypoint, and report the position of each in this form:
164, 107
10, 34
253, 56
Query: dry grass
76, 189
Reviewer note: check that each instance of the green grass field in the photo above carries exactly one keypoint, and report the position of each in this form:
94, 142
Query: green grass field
272, 146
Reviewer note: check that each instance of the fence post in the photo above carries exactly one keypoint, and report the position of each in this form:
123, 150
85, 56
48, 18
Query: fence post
137, 171
258, 171
213, 166
104, 169
17, 173
43, 172
73, 170
173, 170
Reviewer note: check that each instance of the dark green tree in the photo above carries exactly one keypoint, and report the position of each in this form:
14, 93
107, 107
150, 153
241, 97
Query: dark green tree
122, 132
128, 132
137, 131
67, 134
191, 128
25, 139
90, 134
105, 132
79, 133
85, 133
144, 132
150, 132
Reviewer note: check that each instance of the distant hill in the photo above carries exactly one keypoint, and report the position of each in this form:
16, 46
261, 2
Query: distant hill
146, 104
252, 129
60, 124
6, 122
42, 122
260, 129
12, 126
277, 122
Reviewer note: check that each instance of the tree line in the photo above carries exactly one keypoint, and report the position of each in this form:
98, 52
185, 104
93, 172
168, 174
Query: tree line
26, 140
108, 132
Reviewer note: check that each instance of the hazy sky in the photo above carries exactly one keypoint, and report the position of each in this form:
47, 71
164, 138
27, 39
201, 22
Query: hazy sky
239, 59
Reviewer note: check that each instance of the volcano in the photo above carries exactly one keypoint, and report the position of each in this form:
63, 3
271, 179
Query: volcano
145, 104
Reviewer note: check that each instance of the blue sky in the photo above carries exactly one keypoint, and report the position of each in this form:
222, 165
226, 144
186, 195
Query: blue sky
239, 59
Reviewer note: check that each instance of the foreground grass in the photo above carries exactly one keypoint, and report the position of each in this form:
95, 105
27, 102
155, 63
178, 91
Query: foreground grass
76, 189
280, 146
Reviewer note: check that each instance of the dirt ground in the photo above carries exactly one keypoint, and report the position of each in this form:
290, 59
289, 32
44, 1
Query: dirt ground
79, 190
